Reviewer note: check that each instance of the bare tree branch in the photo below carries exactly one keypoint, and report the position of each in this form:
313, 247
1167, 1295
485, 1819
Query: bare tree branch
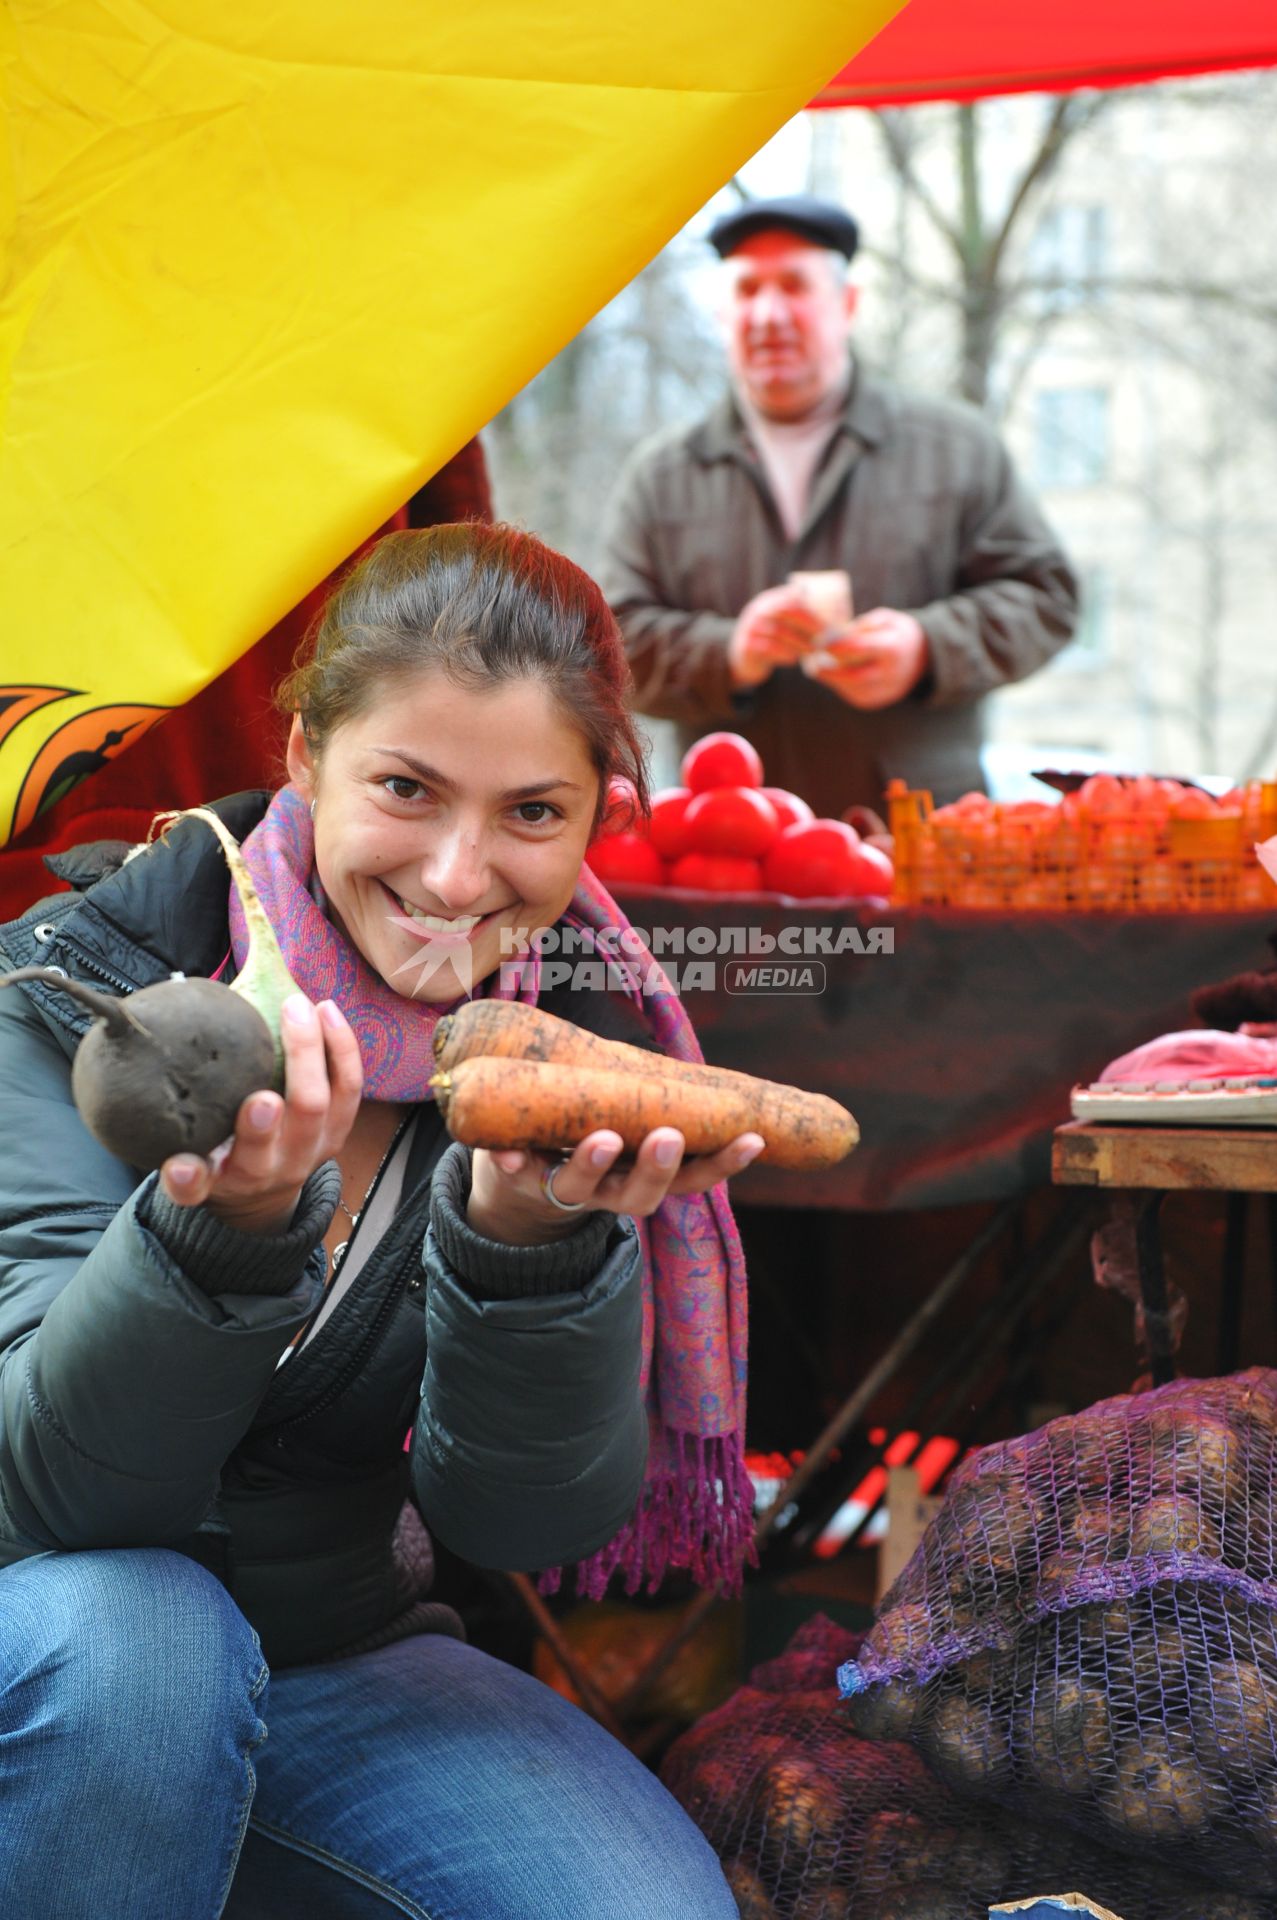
892, 127
1036, 333
941, 291
1069, 114
1259, 761
1198, 293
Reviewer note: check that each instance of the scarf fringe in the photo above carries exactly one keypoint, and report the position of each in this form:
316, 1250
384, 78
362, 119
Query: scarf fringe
696, 1514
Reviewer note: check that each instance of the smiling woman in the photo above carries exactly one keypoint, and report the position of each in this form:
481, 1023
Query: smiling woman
435, 851
452, 738
455, 749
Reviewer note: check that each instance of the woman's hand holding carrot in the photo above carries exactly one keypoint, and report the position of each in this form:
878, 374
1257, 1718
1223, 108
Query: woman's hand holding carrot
508, 1200
254, 1180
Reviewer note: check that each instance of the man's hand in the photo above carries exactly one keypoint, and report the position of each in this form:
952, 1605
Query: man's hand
774, 629
875, 661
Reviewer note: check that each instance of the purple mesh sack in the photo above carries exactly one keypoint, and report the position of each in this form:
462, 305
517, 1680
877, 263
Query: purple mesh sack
1088, 1630
814, 1823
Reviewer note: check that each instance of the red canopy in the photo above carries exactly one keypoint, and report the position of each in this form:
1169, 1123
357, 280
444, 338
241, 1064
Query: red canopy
934, 50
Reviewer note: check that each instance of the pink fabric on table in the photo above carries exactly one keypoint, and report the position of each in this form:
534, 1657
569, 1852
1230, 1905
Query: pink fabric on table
1199, 1053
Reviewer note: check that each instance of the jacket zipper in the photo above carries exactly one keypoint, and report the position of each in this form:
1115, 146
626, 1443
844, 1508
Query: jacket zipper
335, 1388
390, 1303
87, 964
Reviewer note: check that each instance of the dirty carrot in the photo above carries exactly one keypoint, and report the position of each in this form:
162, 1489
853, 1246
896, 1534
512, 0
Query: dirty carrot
801, 1129
487, 1101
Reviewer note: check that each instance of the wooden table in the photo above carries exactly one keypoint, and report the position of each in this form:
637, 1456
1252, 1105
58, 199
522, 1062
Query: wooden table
1155, 1161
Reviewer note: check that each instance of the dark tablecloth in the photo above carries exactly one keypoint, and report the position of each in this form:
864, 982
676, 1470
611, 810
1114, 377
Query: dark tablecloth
957, 1050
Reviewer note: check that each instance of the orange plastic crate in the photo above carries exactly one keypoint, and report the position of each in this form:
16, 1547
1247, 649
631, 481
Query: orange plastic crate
1009, 858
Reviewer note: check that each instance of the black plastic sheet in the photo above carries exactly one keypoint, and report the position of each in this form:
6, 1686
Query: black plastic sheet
957, 1049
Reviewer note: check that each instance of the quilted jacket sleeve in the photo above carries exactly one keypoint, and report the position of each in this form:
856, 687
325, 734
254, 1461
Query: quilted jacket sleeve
532, 1436
1015, 598
124, 1382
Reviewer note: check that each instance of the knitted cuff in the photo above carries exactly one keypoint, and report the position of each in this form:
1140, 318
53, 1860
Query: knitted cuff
222, 1259
490, 1270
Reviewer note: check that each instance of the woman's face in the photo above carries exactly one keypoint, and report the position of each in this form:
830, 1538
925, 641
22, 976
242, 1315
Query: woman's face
443, 819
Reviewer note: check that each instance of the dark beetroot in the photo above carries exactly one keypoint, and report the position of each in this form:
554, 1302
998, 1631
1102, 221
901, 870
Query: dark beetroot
166, 1070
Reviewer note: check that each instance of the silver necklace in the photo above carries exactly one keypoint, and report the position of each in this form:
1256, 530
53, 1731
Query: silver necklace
339, 1251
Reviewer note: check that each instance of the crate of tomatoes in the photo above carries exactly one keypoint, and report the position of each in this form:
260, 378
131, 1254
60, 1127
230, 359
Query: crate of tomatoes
1116, 843
721, 830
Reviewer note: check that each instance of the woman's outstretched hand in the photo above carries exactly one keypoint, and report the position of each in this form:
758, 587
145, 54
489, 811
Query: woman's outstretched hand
253, 1181
508, 1201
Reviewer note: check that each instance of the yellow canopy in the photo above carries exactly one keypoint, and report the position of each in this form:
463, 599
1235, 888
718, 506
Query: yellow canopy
266, 268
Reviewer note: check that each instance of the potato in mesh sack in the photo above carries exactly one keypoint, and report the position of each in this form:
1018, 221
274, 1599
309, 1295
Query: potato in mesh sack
1088, 1630
812, 1822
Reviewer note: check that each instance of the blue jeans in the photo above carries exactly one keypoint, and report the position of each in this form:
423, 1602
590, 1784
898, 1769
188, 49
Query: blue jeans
149, 1771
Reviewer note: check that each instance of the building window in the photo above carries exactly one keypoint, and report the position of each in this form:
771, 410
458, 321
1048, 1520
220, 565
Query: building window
1068, 257
1070, 436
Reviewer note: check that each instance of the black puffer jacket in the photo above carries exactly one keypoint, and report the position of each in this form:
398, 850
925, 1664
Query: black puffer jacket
141, 1401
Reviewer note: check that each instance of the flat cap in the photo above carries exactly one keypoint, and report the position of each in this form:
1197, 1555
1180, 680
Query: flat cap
817, 221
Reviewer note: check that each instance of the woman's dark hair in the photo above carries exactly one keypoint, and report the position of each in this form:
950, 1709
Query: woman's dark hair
483, 604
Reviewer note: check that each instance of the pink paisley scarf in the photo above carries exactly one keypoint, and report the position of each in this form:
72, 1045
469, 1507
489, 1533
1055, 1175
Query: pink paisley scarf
697, 1504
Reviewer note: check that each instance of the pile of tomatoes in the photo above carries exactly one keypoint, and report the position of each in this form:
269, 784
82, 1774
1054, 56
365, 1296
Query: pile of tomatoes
1103, 795
723, 831
1116, 843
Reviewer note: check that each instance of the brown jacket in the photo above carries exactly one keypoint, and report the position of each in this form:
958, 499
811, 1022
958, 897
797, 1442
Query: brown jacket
918, 501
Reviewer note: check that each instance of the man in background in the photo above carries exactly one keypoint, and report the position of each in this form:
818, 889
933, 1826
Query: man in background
813, 466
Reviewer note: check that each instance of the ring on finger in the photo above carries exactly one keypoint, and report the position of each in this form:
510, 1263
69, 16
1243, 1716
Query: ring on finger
547, 1188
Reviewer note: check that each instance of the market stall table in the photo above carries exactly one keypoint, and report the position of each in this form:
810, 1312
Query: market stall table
955, 1044
1154, 1161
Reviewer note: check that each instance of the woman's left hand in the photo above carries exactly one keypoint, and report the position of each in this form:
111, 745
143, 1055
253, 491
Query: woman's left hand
508, 1201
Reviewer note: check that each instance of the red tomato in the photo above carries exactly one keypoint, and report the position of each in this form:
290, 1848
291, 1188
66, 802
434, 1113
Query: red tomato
971, 812
721, 760
876, 874
665, 828
825, 859
625, 857
789, 808
1145, 799
731, 820
717, 873
1104, 793
1193, 804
